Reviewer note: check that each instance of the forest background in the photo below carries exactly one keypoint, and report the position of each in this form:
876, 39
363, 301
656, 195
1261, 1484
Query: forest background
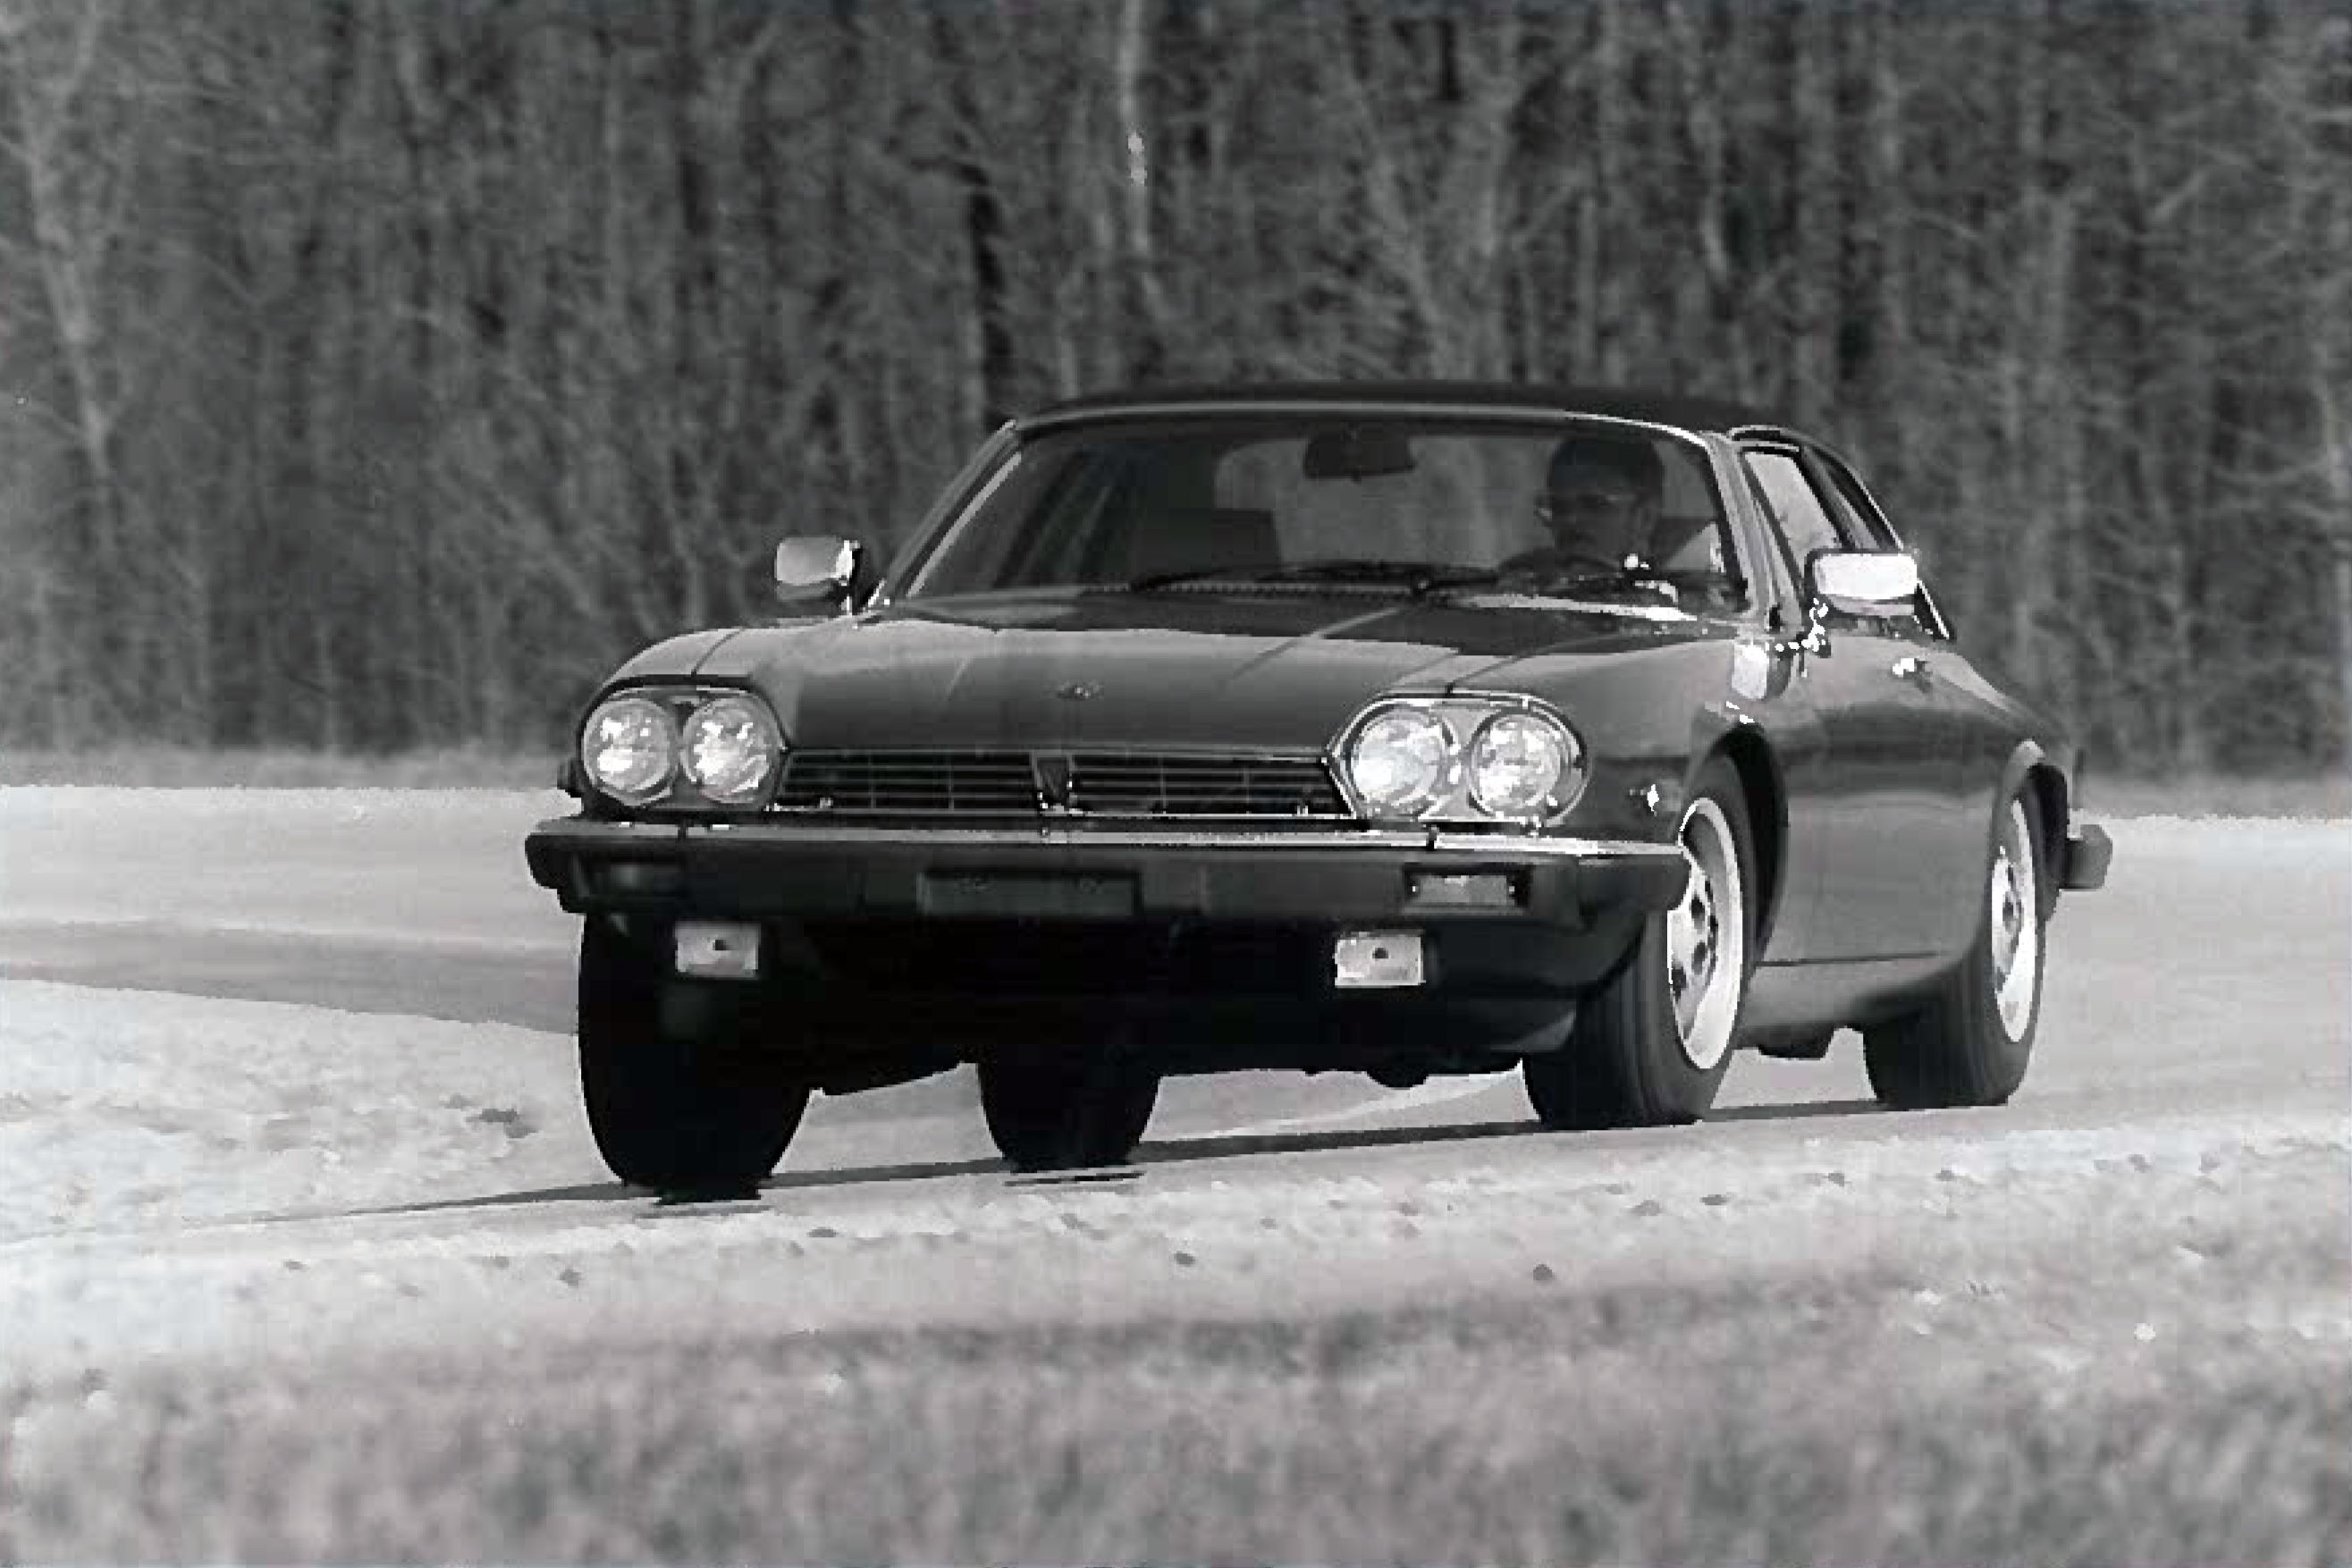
374, 374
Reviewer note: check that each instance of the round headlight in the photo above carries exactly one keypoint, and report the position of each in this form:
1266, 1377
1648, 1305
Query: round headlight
1522, 765
729, 748
1402, 763
629, 747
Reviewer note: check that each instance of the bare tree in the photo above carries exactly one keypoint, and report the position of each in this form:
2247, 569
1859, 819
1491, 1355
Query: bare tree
377, 371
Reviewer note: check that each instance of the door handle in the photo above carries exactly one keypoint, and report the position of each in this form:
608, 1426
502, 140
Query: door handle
1911, 666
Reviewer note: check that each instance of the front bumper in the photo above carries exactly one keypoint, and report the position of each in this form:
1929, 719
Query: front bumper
755, 871
1211, 949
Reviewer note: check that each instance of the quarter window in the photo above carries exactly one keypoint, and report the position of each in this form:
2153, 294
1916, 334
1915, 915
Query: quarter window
1877, 533
1805, 522
1858, 504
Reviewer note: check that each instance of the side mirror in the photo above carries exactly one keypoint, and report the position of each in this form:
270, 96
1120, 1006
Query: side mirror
815, 569
1860, 582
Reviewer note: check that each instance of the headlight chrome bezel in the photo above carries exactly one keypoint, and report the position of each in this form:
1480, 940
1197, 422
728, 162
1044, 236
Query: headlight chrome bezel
641, 707
768, 746
1465, 719
679, 790
1440, 780
1566, 778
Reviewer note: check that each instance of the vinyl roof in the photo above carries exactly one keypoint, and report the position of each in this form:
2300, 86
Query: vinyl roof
1689, 412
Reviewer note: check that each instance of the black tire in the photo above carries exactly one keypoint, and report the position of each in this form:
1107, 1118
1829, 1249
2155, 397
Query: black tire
1967, 1045
1630, 1061
1049, 1115
683, 1117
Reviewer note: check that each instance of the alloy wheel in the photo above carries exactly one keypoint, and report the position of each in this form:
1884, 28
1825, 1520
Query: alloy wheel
1707, 939
2016, 930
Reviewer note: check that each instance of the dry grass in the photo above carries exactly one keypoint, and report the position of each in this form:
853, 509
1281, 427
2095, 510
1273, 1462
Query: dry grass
1795, 1423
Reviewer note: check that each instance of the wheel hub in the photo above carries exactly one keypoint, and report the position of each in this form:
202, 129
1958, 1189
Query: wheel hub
1697, 946
2014, 930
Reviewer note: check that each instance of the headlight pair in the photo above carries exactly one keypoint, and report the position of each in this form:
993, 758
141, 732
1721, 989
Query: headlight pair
1454, 757
726, 747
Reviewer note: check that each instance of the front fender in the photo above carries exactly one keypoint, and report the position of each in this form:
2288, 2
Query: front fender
2074, 856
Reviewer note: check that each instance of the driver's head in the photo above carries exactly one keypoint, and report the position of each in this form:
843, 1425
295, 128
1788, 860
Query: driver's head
1602, 495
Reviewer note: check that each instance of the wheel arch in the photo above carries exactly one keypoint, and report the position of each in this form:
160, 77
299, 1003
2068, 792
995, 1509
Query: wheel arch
1765, 799
2037, 774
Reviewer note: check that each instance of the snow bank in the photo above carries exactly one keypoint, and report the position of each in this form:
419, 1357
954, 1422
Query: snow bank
125, 1110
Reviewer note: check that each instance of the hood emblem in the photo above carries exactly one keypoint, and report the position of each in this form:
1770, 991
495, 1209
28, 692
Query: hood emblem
1077, 692
1051, 770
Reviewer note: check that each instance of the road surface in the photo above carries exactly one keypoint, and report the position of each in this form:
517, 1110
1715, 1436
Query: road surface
285, 1093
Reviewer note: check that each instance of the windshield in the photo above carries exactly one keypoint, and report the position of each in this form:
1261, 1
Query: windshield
1311, 502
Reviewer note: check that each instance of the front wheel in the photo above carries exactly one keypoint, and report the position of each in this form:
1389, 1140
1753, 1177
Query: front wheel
1050, 1115
1970, 1043
1651, 1045
695, 1116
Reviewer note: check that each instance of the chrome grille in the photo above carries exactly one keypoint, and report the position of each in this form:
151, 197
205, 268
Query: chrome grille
1152, 785
891, 784
1166, 785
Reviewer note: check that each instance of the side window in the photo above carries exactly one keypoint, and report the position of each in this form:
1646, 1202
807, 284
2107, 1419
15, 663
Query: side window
1858, 504
1776, 578
1806, 524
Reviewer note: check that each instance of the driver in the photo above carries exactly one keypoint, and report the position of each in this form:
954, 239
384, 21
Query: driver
1600, 502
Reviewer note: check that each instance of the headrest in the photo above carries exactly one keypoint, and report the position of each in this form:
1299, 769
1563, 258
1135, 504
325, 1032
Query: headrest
1577, 459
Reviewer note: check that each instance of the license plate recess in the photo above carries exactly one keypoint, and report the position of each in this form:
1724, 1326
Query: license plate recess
1029, 895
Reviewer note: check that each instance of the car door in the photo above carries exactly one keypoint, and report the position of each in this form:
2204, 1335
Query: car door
1971, 742
1882, 814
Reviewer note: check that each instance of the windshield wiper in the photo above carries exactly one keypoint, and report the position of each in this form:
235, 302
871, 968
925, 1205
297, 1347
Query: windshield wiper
1151, 580
1416, 577
1643, 580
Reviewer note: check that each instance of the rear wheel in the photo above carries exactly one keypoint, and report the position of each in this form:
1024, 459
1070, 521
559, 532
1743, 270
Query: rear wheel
1970, 1043
697, 1116
1651, 1045
1049, 1115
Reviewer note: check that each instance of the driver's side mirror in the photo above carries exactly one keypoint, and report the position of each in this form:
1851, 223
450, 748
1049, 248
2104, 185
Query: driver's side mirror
1865, 583
815, 571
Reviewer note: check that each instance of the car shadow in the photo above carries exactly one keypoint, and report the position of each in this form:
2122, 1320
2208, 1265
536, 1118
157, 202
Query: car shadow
1167, 1153
1180, 1150
1798, 1111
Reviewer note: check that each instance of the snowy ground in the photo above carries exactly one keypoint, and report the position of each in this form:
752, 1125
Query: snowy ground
390, 1230
122, 1110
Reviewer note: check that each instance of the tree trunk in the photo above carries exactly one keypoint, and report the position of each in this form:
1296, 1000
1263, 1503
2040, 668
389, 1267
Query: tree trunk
1598, 350
1131, 62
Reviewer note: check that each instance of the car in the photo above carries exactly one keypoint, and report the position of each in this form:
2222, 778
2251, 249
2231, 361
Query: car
1389, 728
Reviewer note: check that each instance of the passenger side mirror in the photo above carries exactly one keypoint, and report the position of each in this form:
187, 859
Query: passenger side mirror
813, 570
1864, 582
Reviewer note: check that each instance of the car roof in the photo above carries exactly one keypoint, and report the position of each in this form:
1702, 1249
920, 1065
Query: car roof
1648, 406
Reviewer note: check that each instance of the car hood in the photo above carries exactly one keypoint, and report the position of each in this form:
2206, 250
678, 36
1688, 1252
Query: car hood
1275, 671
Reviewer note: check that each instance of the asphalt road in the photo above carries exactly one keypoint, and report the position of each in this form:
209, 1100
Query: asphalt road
2172, 1181
2213, 964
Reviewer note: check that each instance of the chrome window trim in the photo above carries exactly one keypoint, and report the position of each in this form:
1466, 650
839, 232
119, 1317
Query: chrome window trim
962, 517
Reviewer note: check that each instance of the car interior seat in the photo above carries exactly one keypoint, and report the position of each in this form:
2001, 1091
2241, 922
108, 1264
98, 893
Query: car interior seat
1191, 539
